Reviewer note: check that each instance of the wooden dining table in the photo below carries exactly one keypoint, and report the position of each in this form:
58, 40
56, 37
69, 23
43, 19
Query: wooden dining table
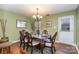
40, 39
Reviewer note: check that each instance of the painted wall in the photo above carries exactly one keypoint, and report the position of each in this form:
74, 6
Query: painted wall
77, 25
54, 20
11, 31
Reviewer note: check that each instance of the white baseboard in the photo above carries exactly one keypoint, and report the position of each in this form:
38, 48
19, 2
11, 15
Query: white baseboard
15, 41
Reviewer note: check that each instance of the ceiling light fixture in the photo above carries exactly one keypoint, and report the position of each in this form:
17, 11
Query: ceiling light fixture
37, 16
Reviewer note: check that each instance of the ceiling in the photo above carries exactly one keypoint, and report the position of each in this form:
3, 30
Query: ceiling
44, 9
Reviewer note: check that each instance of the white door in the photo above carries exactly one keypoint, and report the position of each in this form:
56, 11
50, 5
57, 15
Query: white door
66, 29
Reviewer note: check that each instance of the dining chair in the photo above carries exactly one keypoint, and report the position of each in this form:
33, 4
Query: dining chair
22, 41
27, 40
51, 43
33, 42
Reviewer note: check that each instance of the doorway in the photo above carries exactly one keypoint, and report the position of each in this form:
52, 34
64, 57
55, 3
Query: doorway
66, 29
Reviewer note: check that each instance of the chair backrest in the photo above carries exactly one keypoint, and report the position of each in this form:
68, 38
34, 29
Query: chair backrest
22, 37
27, 36
53, 38
30, 38
45, 32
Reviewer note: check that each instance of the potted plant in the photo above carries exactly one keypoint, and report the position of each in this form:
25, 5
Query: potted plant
3, 27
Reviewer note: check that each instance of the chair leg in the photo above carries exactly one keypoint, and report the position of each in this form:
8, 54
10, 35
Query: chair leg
20, 44
23, 46
51, 50
41, 50
39, 47
27, 46
32, 50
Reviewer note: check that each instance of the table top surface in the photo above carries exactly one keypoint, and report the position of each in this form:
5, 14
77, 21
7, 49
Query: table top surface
5, 44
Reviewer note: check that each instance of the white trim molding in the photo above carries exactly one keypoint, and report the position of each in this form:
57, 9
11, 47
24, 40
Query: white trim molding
15, 41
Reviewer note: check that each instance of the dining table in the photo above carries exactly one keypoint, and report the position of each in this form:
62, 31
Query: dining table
40, 39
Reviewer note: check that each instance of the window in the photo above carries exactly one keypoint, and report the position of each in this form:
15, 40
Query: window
65, 24
20, 24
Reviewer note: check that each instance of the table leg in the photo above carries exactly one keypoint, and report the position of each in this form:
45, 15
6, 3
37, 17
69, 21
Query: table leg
42, 47
9, 49
0, 50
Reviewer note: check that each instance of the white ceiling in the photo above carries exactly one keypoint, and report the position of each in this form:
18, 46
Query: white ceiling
44, 9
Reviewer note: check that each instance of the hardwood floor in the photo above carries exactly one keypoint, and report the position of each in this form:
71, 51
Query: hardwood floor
15, 49
60, 49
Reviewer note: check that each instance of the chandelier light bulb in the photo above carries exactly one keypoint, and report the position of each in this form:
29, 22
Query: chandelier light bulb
38, 16
34, 16
41, 16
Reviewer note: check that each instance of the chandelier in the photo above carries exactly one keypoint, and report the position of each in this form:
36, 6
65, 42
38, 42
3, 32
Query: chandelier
37, 16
